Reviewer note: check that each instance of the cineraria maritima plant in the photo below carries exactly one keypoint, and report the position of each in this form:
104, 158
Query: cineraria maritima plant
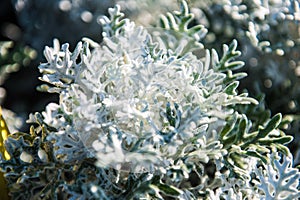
148, 114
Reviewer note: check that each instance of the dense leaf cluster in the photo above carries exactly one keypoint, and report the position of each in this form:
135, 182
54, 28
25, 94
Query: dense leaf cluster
149, 114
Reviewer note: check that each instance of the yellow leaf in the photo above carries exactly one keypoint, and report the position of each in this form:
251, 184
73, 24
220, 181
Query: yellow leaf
4, 132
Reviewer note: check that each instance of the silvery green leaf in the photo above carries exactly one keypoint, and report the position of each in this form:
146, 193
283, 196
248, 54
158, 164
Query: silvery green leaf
279, 180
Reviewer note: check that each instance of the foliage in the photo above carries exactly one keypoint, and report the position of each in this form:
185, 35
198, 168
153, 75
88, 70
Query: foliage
268, 34
148, 114
281, 180
3, 136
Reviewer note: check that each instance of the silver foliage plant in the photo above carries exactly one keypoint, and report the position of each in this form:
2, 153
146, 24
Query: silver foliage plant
148, 114
268, 34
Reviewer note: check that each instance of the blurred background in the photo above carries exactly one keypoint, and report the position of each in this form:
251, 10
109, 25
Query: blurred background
268, 33
30, 25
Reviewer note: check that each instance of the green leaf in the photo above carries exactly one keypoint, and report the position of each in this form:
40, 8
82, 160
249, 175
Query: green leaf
263, 132
179, 21
279, 147
231, 121
272, 124
257, 155
242, 128
282, 140
230, 53
113, 26
231, 88
168, 190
